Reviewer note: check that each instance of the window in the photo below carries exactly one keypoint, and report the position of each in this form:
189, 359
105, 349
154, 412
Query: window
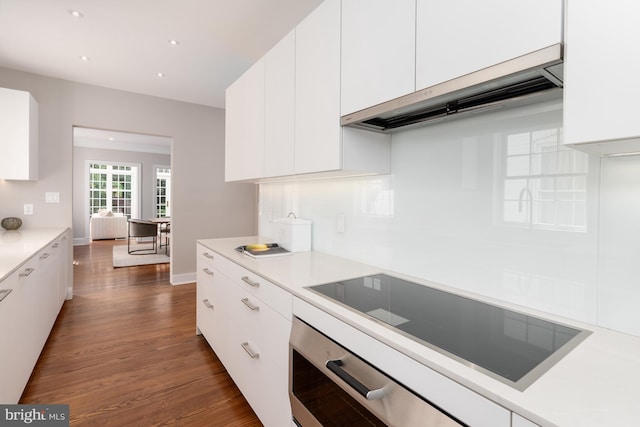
544, 183
163, 191
113, 187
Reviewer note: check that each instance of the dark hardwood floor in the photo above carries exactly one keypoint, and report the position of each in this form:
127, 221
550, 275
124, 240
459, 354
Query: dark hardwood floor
123, 352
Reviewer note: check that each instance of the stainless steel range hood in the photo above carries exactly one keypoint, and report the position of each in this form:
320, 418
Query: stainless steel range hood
522, 80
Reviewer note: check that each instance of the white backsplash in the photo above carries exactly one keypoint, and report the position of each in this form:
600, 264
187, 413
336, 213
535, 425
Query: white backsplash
495, 205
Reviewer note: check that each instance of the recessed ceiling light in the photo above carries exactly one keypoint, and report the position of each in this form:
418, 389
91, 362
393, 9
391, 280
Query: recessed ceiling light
110, 138
75, 14
85, 58
160, 74
174, 42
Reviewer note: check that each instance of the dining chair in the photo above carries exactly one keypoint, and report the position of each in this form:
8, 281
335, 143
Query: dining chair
142, 228
165, 228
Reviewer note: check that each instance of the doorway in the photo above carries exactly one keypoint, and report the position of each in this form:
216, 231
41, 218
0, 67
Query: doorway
116, 172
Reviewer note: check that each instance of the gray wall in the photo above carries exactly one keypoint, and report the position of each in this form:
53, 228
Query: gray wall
203, 205
82, 154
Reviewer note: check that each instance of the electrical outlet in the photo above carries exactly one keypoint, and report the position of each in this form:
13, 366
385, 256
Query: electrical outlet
28, 209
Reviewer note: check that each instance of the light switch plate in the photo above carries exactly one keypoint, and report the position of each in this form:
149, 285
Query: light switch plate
52, 197
28, 209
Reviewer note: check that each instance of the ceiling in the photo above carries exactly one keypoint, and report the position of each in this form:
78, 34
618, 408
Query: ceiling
127, 42
122, 141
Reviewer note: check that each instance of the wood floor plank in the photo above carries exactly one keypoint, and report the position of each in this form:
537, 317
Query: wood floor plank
123, 352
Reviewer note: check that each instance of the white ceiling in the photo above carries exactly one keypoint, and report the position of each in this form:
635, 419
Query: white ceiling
127, 42
123, 141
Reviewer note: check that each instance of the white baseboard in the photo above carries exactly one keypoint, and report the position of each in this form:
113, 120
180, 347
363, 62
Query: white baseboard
79, 241
182, 279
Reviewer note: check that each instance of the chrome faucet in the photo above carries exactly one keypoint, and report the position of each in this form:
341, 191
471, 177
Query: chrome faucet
525, 190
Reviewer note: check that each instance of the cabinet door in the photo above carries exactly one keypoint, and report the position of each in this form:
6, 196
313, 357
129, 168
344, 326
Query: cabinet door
317, 108
65, 284
378, 52
45, 297
212, 312
456, 37
18, 135
28, 345
205, 303
601, 71
279, 87
15, 341
244, 126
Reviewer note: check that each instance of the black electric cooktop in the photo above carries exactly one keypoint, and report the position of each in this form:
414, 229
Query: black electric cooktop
512, 347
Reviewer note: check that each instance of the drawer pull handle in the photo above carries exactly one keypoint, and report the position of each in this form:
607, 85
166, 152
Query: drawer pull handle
4, 293
207, 303
207, 255
249, 350
207, 271
56, 245
249, 304
45, 255
250, 282
27, 272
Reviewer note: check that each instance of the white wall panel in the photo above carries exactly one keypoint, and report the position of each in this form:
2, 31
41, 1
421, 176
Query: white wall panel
493, 204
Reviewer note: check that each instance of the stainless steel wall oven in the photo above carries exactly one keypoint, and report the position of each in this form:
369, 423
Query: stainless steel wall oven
330, 386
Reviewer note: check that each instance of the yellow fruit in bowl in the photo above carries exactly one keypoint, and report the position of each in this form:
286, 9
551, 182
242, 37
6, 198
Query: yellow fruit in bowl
257, 247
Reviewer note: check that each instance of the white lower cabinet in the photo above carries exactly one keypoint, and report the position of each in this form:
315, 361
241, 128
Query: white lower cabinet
206, 312
518, 421
16, 346
247, 322
29, 311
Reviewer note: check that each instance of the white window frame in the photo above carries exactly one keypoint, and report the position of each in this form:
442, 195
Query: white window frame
155, 190
136, 183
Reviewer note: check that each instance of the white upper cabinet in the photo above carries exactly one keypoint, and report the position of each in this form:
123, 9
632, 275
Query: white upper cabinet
601, 76
244, 126
378, 52
317, 112
283, 115
279, 88
18, 135
456, 37
321, 144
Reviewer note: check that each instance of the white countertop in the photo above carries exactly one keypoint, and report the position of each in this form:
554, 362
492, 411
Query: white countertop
17, 246
596, 384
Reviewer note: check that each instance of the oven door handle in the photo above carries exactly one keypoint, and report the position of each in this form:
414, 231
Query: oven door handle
335, 366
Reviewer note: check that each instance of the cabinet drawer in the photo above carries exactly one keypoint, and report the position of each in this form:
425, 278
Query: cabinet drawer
212, 314
206, 255
260, 325
270, 294
518, 421
204, 302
